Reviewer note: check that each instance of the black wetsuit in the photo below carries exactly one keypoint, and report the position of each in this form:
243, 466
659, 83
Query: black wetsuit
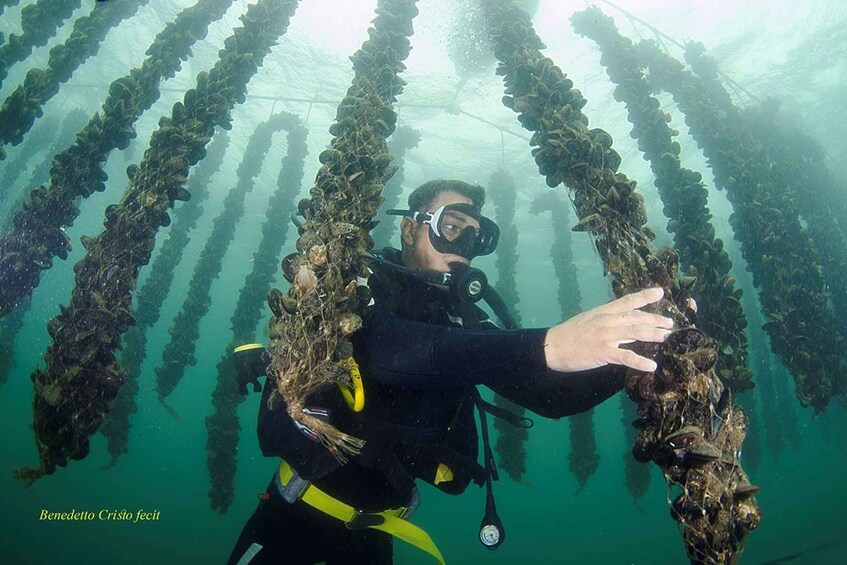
421, 354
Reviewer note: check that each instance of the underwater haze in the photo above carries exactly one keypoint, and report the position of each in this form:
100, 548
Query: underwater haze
602, 509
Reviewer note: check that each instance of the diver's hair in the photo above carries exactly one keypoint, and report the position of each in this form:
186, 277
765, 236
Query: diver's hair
423, 195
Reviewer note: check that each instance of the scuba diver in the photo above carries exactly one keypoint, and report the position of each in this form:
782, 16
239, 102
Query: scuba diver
423, 349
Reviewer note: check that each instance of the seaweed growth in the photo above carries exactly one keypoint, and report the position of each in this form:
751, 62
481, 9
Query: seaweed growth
151, 295
583, 459
223, 425
39, 22
688, 425
23, 106
311, 322
37, 234
179, 352
777, 248
685, 198
403, 139
511, 440
82, 377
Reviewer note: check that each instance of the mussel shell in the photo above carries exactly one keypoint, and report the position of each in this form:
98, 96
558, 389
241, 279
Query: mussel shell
685, 437
745, 490
702, 453
289, 266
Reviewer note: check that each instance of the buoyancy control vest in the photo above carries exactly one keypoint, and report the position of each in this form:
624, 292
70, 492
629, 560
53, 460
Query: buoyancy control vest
423, 434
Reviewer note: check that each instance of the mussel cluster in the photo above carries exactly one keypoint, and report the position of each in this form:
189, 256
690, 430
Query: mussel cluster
39, 22
403, 139
36, 235
583, 459
312, 320
685, 198
511, 440
178, 354
42, 136
151, 295
798, 160
684, 396
82, 377
777, 248
223, 425
72, 122
23, 106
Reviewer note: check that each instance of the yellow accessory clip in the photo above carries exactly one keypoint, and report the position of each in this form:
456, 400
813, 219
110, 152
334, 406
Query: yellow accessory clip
443, 474
388, 521
247, 347
355, 399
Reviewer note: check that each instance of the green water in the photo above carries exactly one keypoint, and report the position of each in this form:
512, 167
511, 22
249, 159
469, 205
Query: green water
766, 45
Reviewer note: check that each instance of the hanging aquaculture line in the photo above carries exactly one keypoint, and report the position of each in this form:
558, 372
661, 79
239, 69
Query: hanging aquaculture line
778, 250
659, 33
511, 440
789, 165
684, 196
39, 22
41, 137
72, 122
449, 108
583, 459
403, 139
81, 376
223, 425
11, 326
152, 294
23, 106
689, 426
636, 474
37, 234
311, 323
178, 354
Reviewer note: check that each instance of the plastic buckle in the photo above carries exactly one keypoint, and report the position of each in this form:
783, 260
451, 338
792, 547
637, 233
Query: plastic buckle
362, 520
294, 489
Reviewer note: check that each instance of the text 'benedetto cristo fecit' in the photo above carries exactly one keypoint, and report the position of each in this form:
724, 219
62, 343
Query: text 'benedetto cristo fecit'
103, 515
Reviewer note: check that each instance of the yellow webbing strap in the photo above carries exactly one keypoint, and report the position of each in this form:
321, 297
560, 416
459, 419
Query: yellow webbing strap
392, 524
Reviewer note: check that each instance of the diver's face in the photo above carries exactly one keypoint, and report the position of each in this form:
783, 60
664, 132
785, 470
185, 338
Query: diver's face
420, 254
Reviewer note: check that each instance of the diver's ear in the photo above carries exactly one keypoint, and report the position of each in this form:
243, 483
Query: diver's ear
406, 226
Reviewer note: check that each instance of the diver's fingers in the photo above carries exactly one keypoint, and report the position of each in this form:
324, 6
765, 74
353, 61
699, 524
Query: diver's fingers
638, 332
638, 317
633, 360
632, 301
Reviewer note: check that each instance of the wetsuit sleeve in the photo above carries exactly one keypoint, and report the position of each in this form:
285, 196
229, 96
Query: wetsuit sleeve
553, 394
405, 353
409, 354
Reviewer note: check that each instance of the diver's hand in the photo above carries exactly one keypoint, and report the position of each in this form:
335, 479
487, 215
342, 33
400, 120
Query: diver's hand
591, 339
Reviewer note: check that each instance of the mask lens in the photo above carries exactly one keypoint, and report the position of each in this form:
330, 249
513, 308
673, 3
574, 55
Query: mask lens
453, 224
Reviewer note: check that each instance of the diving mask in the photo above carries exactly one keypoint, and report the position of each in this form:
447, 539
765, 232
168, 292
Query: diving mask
458, 229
